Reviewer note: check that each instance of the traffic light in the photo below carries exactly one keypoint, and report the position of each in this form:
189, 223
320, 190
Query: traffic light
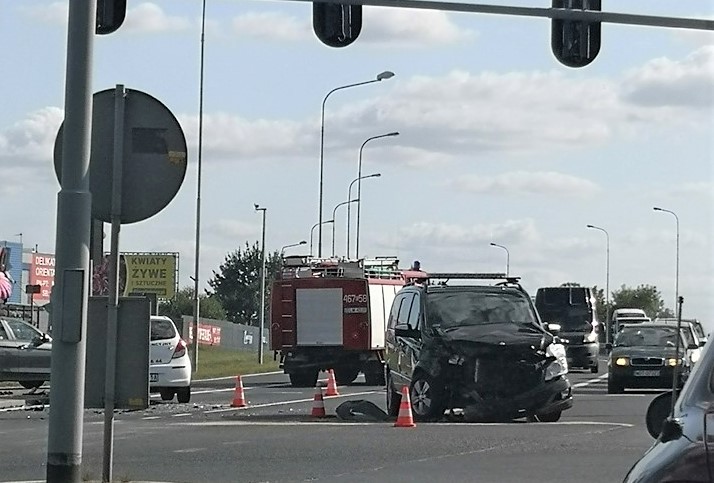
110, 15
336, 25
575, 43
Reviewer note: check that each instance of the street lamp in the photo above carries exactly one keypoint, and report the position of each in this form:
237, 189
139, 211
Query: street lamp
607, 280
676, 275
349, 207
196, 299
359, 182
334, 212
261, 329
380, 77
301, 242
508, 256
312, 231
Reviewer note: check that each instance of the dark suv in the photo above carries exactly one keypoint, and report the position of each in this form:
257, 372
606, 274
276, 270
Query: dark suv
473, 346
573, 308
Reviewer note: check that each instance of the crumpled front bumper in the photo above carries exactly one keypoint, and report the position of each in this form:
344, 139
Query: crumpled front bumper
548, 397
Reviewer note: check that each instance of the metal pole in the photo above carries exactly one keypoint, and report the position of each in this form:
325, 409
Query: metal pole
197, 254
113, 294
675, 375
261, 329
359, 183
334, 217
312, 232
508, 256
69, 296
676, 272
607, 281
382, 76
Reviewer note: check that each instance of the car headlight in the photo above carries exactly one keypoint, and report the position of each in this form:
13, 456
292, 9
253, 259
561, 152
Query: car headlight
622, 361
673, 362
591, 337
695, 356
559, 366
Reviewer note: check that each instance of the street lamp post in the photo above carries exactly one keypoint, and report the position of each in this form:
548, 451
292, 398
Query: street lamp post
508, 257
312, 232
301, 242
334, 213
349, 207
261, 329
676, 273
195, 278
359, 182
607, 280
380, 77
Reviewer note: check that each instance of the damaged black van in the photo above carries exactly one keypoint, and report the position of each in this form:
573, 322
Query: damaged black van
473, 346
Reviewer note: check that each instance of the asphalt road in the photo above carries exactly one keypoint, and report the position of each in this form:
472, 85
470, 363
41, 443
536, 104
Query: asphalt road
275, 439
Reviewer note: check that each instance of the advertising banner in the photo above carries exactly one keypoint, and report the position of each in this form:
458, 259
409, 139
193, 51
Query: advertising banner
140, 273
42, 273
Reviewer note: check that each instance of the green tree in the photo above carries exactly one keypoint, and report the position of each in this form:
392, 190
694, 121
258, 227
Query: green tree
237, 284
182, 304
645, 297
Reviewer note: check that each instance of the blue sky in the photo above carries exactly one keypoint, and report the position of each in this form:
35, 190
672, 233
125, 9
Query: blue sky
499, 142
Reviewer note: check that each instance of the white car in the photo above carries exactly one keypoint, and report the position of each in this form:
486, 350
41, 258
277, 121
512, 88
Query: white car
169, 363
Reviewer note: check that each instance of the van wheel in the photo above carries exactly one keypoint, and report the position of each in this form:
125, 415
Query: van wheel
393, 398
427, 398
183, 394
167, 394
31, 384
306, 378
345, 375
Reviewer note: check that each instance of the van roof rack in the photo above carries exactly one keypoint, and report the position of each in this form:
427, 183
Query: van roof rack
471, 276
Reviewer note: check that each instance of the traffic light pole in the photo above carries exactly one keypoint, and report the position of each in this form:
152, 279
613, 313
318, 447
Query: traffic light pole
70, 292
552, 13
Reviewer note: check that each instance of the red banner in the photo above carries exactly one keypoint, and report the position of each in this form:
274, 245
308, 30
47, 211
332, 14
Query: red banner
42, 273
207, 334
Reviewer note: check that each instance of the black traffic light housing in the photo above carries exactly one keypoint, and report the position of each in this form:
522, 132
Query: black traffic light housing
336, 25
575, 43
110, 15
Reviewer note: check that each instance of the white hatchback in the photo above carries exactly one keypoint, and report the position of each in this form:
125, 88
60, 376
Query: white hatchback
169, 363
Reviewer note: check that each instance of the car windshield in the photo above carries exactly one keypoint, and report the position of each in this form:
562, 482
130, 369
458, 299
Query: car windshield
162, 329
647, 337
22, 330
569, 319
458, 309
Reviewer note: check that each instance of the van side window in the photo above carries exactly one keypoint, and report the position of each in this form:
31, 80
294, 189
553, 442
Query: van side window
404, 309
393, 314
414, 313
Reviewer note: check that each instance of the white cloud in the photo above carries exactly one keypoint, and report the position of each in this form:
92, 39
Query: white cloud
390, 27
680, 83
32, 139
410, 28
527, 183
150, 18
273, 26
440, 234
699, 189
56, 13
233, 230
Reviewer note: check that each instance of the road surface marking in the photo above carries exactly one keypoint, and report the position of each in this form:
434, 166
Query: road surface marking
352, 423
189, 450
294, 401
180, 415
225, 378
151, 417
591, 381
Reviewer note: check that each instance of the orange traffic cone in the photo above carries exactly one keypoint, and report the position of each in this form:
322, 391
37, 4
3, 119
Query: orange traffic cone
331, 384
405, 419
318, 404
238, 395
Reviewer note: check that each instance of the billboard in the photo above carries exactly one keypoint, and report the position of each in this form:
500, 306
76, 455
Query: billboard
42, 273
139, 273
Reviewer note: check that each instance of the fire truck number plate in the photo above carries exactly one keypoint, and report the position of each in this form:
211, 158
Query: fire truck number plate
354, 298
355, 310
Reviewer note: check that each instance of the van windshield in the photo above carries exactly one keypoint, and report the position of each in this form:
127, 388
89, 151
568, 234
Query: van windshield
459, 309
572, 318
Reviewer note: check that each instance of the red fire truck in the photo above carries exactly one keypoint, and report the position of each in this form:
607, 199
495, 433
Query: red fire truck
332, 314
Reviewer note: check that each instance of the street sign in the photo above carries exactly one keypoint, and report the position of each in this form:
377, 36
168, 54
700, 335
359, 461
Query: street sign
154, 161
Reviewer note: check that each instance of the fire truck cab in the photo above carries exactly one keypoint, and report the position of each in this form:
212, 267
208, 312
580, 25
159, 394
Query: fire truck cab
330, 313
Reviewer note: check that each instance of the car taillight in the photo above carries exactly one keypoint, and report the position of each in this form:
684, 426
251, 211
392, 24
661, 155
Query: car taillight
180, 350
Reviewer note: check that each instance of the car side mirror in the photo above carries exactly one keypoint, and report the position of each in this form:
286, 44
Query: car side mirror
693, 346
658, 413
554, 328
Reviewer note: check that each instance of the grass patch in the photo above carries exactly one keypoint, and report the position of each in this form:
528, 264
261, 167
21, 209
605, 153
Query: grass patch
217, 362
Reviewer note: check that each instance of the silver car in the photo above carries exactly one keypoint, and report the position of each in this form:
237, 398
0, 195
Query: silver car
24, 353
